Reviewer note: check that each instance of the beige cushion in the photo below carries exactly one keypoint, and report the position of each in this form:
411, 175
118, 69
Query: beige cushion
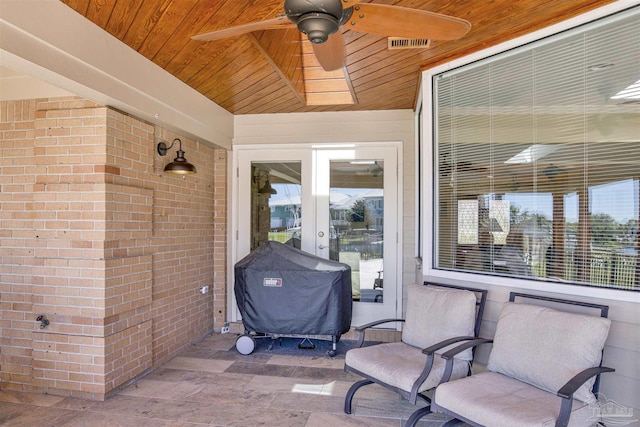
435, 314
546, 347
492, 399
352, 259
400, 365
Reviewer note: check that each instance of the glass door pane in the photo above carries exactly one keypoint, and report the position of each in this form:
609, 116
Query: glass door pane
356, 195
276, 203
356, 211
274, 188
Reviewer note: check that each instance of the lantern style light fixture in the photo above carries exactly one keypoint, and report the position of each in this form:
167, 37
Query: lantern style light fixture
180, 165
267, 188
263, 188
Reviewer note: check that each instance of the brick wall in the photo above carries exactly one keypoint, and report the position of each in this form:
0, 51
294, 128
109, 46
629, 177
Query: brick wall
97, 238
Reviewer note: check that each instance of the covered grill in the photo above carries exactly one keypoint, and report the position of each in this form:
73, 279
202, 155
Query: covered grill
281, 290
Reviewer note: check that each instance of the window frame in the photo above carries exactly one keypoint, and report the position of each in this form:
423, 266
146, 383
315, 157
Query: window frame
429, 181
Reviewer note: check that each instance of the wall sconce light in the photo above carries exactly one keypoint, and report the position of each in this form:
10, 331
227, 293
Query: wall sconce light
267, 188
179, 165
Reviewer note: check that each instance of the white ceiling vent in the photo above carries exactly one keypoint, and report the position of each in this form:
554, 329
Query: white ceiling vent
404, 43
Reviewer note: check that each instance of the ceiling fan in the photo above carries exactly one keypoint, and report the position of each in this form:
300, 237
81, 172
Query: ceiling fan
321, 20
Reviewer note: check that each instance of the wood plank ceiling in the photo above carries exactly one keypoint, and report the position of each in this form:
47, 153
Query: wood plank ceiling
274, 72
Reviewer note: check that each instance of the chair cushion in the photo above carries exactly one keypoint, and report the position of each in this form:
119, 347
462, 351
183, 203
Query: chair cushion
399, 365
489, 398
546, 347
435, 314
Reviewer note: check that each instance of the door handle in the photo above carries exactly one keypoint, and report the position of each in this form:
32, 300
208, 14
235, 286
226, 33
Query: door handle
322, 247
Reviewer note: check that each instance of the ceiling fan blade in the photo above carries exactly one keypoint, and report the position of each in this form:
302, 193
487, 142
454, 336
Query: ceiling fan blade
396, 21
331, 54
279, 22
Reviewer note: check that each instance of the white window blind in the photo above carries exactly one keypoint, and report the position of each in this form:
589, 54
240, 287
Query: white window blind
545, 142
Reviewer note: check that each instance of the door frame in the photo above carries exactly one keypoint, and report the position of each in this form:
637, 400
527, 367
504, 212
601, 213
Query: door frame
279, 152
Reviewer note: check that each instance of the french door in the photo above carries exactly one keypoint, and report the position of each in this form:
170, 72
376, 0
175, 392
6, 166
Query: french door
336, 203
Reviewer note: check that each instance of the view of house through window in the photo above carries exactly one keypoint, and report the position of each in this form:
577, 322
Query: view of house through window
357, 224
538, 159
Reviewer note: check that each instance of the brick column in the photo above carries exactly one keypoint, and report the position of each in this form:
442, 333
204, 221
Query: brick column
97, 238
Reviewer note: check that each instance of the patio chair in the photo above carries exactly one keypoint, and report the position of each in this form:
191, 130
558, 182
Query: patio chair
437, 317
543, 368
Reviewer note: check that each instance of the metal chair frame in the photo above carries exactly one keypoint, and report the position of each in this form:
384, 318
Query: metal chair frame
566, 391
481, 297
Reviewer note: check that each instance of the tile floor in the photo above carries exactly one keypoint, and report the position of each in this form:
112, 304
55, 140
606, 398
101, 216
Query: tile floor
211, 384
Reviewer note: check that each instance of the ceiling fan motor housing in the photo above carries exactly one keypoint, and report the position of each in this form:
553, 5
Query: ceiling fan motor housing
318, 19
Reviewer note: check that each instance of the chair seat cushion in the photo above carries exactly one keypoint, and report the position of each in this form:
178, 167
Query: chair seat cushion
399, 365
493, 399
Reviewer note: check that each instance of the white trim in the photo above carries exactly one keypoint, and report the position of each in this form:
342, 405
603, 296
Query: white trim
540, 286
419, 139
232, 182
399, 229
323, 146
428, 179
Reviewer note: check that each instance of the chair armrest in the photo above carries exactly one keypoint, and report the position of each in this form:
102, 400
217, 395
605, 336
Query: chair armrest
445, 343
460, 348
449, 355
376, 323
567, 390
362, 329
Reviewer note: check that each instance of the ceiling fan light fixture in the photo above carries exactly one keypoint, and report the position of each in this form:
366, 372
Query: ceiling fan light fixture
297, 8
318, 26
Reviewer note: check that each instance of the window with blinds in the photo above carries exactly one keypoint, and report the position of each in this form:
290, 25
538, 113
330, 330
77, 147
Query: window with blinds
537, 154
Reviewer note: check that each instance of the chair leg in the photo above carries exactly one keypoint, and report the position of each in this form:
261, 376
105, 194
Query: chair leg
415, 417
352, 390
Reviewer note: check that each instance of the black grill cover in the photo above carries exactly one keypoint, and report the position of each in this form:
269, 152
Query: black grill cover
283, 290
